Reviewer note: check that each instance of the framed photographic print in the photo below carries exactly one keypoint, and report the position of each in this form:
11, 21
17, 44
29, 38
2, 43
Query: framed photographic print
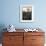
26, 13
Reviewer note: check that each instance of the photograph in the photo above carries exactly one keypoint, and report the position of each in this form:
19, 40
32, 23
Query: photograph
26, 13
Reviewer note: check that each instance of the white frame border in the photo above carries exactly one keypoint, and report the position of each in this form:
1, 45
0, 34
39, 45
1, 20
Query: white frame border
21, 6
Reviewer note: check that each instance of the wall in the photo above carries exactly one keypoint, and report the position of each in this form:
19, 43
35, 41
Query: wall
9, 13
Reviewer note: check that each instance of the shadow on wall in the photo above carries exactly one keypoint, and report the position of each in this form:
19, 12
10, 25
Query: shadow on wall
2, 26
